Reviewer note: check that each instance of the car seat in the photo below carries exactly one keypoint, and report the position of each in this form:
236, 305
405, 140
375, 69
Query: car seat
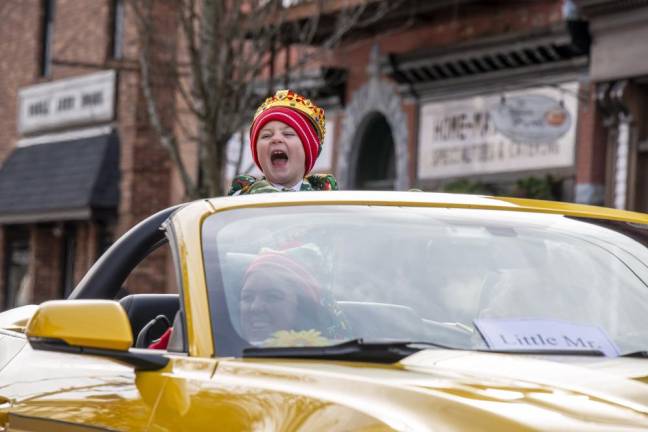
144, 308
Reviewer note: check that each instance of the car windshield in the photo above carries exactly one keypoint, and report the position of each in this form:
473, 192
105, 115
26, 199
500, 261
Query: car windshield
463, 278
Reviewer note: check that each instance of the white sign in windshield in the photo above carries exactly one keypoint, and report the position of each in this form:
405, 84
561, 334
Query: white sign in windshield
544, 335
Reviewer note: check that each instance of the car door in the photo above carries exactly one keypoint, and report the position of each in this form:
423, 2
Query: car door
47, 391
42, 390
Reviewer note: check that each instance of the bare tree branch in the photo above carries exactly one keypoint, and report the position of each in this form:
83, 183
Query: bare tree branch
188, 19
166, 137
228, 49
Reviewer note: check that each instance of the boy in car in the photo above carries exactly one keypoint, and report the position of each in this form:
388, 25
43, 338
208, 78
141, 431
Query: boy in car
286, 137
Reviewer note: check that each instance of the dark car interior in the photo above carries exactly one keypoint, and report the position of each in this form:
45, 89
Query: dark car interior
149, 315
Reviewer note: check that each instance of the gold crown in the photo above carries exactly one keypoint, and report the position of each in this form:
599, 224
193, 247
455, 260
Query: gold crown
290, 99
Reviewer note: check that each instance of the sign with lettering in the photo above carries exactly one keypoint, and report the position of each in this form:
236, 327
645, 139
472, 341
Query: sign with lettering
544, 335
519, 130
69, 102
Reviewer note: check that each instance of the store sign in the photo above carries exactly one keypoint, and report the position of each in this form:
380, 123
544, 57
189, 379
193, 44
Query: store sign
531, 118
74, 101
523, 130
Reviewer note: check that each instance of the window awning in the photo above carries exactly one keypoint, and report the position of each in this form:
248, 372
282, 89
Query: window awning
65, 180
518, 57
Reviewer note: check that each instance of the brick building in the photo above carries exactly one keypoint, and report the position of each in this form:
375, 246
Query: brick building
619, 72
79, 162
450, 95
465, 95
428, 97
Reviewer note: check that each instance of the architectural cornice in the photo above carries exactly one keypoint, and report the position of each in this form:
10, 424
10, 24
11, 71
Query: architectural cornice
537, 55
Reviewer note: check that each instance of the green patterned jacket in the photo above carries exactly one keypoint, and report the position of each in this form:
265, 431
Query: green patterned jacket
246, 184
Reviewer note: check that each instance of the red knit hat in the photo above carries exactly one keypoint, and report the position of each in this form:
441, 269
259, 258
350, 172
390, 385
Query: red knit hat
287, 266
306, 118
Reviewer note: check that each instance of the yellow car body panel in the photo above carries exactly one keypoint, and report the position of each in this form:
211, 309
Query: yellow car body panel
47, 390
16, 319
423, 199
187, 226
424, 394
431, 390
455, 390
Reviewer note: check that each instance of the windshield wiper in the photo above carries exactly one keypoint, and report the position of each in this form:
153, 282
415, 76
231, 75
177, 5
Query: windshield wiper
393, 351
636, 354
539, 352
353, 350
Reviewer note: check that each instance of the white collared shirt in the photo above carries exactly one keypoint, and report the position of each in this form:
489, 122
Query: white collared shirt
294, 188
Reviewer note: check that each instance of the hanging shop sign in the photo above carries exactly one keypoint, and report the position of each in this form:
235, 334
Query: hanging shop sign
528, 129
533, 118
77, 101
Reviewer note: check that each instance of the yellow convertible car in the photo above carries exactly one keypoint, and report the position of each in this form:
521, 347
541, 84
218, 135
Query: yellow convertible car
347, 311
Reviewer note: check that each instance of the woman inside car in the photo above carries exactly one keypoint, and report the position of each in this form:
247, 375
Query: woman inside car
282, 302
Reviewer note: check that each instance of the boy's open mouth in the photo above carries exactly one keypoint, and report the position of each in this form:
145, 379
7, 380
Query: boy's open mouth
278, 158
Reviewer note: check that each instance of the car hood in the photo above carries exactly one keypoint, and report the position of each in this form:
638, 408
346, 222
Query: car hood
459, 390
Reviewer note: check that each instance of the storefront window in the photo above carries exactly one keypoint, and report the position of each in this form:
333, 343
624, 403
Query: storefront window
69, 252
18, 287
117, 29
48, 8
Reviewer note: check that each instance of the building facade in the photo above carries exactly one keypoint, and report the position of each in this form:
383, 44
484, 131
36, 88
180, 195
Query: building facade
498, 97
491, 97
79, 163
620, 75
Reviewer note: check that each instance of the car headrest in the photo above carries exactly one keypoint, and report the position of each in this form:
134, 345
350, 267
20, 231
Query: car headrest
142, 308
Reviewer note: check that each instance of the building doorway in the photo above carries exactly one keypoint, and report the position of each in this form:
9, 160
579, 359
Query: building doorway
375, 158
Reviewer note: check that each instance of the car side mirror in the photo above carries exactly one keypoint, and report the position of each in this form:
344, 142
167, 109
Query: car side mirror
95, 327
